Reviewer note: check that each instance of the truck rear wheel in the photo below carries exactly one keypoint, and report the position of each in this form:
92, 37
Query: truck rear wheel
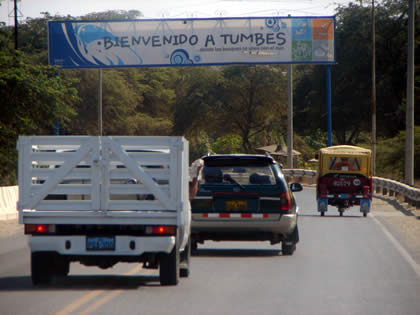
61, 266
41, 266
169, 267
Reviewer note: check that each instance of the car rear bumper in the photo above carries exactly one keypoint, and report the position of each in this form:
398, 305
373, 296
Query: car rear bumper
238, 228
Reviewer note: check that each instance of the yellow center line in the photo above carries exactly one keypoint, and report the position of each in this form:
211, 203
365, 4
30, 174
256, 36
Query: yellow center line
100, 302
78, 303
87, 298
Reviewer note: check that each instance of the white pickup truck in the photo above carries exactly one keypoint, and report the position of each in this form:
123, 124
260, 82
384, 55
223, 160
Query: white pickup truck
104, 200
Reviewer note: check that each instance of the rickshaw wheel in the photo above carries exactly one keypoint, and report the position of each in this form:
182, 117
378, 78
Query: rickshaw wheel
365, 214
341, 212
322, 213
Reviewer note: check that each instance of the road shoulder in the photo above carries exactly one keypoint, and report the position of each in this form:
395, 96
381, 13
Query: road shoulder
401, 221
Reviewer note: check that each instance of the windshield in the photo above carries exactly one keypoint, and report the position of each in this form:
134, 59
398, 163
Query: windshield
344, 164
243, 175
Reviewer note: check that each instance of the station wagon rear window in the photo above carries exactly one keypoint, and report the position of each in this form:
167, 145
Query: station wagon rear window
243, 174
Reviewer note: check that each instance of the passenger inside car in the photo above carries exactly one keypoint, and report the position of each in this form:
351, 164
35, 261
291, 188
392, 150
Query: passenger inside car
213, 175
258, 179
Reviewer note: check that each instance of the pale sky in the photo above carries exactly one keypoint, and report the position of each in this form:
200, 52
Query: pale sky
172, 9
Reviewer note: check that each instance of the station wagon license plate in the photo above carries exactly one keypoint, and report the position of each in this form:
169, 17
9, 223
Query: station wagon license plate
100, 243
236, 205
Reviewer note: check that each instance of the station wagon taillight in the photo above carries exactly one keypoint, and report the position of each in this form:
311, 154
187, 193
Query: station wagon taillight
286, 202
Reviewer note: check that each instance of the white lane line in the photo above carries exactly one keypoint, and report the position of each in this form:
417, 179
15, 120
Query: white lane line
398, 246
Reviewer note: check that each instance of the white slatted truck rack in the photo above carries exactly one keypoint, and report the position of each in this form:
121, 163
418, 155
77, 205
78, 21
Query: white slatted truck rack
104, 200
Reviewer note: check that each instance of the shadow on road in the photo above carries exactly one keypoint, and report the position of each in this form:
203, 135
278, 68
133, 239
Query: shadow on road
396, 205
333, 215
230, 252
79, 282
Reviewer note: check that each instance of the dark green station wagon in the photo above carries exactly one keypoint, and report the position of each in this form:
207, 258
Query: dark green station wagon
245, 197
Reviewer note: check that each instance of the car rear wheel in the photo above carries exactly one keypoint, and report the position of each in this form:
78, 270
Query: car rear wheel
185, 260
288, 246
194, 247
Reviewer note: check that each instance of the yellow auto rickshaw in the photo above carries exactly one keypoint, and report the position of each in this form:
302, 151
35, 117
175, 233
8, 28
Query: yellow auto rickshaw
344, 178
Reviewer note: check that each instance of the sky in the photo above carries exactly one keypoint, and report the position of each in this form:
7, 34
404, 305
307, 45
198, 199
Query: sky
171, 8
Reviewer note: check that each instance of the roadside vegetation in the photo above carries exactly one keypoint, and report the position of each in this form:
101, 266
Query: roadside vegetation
227, 109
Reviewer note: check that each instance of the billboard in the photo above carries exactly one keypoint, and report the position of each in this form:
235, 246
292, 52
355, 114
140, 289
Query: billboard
191, 42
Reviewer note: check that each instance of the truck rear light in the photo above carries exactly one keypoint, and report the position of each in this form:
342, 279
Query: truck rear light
286, 203
161, 230
39, 228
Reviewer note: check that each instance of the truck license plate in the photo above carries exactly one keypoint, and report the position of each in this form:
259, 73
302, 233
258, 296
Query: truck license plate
100, 243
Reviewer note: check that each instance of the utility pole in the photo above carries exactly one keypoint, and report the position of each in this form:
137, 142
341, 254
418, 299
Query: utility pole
373, 107
290, 116
409, 134
16, 24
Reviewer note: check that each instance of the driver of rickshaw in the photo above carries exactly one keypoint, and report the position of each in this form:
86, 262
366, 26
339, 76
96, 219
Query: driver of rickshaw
344, 164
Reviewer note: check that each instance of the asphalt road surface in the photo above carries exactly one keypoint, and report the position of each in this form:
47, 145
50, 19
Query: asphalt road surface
342, 265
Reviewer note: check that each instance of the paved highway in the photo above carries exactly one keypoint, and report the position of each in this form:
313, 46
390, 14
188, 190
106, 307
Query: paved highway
343, 265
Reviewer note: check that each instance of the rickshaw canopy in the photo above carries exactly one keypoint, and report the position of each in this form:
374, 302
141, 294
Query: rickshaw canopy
345, 159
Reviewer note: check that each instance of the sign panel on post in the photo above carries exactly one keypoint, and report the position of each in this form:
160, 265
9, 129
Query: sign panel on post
191, 42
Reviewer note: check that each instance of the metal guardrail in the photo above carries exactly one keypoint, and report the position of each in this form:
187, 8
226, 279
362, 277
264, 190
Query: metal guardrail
387, 187
301, 172
393, 189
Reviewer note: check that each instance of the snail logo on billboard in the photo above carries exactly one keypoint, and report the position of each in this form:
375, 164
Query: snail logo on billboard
191, 42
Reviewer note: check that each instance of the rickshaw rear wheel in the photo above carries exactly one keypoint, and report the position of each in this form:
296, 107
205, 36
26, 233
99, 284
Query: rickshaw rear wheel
322, 213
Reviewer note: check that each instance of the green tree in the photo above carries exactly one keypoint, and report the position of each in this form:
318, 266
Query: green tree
196, 95
390, 156
228, 144
252, 98
352, 78
32, 98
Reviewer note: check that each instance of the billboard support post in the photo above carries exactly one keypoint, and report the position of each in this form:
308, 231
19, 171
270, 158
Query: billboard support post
100, 131
328, 68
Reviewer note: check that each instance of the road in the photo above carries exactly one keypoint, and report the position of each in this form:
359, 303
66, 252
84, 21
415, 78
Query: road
343, 265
